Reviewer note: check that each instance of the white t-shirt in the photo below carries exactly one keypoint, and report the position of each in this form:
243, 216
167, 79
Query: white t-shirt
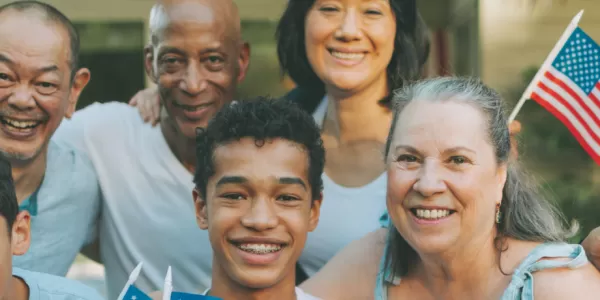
148, 212
347, 214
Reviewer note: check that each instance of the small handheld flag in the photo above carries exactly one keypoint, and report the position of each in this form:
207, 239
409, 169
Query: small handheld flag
186, 296
130, 292
568, 86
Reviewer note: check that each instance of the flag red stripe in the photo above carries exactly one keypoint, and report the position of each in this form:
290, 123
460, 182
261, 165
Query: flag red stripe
568, 106
548, 106
574, 95
594, 98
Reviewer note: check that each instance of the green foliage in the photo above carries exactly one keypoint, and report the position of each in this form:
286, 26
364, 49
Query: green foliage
566, 172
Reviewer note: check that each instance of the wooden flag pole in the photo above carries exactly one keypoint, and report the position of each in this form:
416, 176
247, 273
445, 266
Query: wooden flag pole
547, 63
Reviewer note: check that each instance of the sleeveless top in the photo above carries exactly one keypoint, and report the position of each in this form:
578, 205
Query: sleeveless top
521, 284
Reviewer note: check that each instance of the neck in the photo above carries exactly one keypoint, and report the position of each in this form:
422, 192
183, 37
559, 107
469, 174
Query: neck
183, 147
453, 275
358, 116
28, 176
18, 290
225, 287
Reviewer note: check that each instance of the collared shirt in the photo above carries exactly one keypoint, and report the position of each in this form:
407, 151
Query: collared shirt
49, 287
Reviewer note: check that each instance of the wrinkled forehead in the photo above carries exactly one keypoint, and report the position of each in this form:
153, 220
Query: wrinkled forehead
188, 18
441, 123
28, 39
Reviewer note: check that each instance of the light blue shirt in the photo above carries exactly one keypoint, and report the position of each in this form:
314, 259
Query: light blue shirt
50, 287
521, 284
64, 212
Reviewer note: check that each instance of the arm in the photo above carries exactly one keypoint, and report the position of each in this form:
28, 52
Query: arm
591, 244
351, 273
558, 284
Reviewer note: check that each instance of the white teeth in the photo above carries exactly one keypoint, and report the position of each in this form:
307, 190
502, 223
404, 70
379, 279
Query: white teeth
432, 213
260, 248
195, 108
349, 56
20, 124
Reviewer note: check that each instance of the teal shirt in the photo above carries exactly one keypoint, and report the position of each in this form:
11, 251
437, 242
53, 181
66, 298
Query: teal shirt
50, 287
64, 212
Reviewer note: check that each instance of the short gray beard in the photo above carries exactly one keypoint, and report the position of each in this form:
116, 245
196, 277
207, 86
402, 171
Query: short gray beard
19, 157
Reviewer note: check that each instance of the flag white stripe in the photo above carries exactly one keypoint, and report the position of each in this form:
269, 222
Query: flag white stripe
588, 139
586, 99
575, 105
596, 93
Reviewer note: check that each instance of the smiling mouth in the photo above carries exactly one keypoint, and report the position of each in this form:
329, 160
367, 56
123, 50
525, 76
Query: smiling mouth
192, 108
260, 248
352, 56
19, 125
431, 214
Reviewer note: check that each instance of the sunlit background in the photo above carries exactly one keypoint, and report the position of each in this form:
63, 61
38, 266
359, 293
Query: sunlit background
503, 41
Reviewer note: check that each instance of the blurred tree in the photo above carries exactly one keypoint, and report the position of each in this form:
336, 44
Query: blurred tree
565, 171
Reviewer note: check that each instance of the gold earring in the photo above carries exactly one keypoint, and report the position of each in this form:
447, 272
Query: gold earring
498, 216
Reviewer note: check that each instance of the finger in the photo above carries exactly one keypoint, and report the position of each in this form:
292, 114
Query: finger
156, 108
144, 112
514, 127
134, 100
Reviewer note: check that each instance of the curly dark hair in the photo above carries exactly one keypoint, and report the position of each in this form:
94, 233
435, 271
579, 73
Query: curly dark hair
411, 46
9, 208
261, 118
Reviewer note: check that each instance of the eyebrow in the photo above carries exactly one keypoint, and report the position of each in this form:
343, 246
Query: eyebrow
292, 181
458, 149
5, 59
165, 50
446, 151
240, 180
47, 69
231, 180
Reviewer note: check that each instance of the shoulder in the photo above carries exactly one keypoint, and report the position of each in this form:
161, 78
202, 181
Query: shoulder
109, 108
57, 287
566, 283
365, 255
65, 162
105, 116
560, 271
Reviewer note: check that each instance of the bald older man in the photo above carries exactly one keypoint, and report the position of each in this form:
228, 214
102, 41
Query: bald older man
196, 57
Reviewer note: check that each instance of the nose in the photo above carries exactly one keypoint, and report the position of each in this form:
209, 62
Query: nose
194, 81
261, 216
22, 98
349, 29
429, 181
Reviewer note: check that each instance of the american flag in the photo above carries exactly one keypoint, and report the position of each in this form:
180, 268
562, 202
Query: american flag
570, 90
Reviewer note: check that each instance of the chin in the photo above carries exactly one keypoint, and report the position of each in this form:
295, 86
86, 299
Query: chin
22, 155
258, 279
188, 129
348, 84
432, 245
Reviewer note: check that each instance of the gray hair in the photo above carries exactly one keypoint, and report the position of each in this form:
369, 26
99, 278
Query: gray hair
526, 214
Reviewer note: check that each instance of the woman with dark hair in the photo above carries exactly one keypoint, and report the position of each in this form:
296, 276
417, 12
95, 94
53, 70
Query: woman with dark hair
467, 223
346, 56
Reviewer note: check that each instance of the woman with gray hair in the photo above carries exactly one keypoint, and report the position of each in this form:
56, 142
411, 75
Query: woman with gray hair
467, 223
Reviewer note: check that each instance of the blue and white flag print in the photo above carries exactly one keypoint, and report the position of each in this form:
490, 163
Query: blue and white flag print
133, 293
185, 296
